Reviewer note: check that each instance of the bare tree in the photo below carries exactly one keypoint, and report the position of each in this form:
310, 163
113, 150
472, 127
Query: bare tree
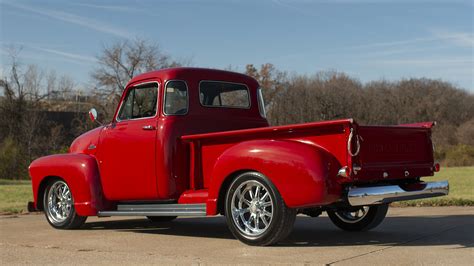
270, 79
24, 132
465, 133
324, 96
19, 121
123, 60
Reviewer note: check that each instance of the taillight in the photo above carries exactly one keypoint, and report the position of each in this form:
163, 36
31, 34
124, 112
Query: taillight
436, 167
344, 172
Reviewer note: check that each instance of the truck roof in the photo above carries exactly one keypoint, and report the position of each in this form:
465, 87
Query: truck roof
231, 118
194, 73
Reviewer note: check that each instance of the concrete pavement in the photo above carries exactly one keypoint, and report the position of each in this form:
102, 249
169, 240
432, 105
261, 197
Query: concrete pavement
431, 235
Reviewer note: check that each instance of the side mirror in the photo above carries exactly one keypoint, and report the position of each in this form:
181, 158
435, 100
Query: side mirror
93, 115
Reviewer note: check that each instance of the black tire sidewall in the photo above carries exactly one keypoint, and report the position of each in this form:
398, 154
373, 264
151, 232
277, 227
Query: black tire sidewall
374, 217
277, 208
72, 216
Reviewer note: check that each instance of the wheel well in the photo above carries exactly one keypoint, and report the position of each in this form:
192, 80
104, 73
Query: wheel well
42, 187
225, 186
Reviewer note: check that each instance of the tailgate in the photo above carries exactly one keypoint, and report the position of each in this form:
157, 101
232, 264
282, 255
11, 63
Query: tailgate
392, 152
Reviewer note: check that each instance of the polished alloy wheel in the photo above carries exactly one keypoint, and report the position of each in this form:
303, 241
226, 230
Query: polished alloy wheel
353, 216
59, 201
252, 208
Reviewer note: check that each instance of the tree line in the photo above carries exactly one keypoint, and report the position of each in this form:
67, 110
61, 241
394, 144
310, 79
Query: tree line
26, 132
335, 95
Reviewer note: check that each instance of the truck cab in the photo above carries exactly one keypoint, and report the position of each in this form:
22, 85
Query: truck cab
156, 109
196, 142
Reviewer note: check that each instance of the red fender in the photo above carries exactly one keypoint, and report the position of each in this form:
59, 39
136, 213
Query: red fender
303, 173
80, 173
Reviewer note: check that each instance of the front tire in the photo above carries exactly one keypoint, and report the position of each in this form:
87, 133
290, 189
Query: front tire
255, 211
59, 208
361, 218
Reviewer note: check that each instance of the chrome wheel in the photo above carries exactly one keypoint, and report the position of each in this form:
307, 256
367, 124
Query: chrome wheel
252, 208
59, 202
353, 216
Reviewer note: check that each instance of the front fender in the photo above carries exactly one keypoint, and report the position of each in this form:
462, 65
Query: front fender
303, 173
80, 173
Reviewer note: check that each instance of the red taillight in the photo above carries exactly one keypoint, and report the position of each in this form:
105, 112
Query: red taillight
436, 167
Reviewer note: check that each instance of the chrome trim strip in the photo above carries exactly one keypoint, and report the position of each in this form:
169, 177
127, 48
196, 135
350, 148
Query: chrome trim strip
261, 103
161, 207
150, 213
157, 210
362, 196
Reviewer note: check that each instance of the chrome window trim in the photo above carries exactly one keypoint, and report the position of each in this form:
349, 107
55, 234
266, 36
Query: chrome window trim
134, 87
261, 103
224, 106
164, 96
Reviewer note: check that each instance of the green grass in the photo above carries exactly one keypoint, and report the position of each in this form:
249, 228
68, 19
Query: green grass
461, 188
15, 194
14, 182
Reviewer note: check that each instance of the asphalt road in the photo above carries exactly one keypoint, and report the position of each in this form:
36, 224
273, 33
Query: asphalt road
432, 235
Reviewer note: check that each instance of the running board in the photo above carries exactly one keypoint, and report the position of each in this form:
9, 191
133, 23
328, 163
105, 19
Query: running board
157, 210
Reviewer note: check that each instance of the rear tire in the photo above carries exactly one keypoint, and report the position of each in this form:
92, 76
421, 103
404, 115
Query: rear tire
59, 208
255, 211
361, 218
161, 219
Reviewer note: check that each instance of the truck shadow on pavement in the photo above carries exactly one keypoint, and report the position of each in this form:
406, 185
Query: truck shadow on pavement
394, 231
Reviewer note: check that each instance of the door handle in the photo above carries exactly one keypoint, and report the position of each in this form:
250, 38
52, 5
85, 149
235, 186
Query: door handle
148, 127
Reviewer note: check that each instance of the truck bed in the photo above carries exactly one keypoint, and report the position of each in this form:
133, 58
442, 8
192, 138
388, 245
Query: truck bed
384, 153
206, 148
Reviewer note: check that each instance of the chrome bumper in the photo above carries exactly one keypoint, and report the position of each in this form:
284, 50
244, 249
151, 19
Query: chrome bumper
361, 196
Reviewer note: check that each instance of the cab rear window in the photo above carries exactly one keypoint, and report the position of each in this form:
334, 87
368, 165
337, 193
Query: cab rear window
224, 94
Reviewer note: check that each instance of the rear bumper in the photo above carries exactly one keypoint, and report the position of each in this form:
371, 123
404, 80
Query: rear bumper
361, 196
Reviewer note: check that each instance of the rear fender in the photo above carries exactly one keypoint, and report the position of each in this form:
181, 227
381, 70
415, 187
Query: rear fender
81, 174
300, 171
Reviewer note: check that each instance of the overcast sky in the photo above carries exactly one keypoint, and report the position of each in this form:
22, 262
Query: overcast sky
367, 39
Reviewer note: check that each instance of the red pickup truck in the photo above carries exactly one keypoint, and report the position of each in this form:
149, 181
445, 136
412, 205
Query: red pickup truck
195, 142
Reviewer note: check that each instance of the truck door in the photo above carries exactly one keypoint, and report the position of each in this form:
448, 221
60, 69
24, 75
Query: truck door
127, 152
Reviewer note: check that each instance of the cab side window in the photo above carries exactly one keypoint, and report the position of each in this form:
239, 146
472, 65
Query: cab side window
176, 98
140, 102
